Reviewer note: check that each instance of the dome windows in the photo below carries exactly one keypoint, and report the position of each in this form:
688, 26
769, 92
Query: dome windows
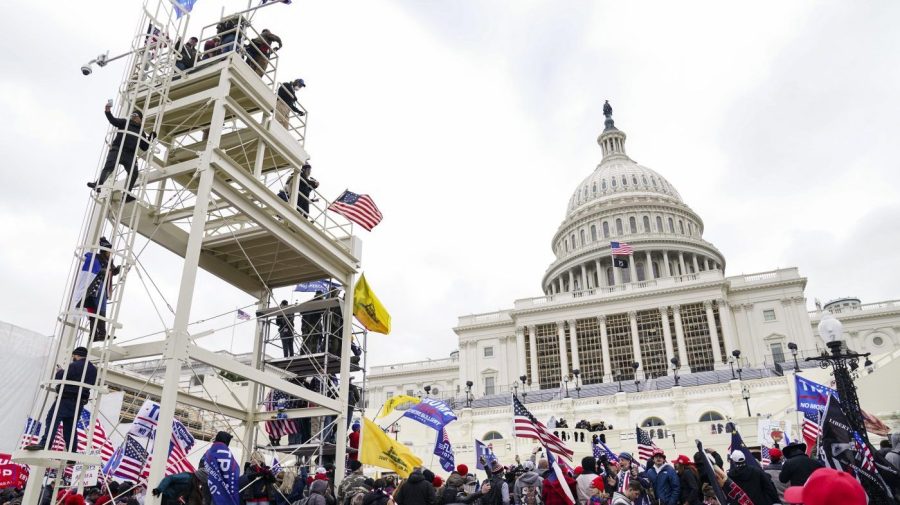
593, 233
603, 184
659, 226
653, 179
605, 229
594, 187
624, 181
681, 226
644, 178
634, 180
671, 225
619, 230
632, 224
613, 182
573, 241
567, 245
690, 229
646, 224
582, 237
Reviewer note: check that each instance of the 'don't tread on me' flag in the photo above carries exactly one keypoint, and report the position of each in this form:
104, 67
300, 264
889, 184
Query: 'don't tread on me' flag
358, 208
378, 449
368, 308
395, 402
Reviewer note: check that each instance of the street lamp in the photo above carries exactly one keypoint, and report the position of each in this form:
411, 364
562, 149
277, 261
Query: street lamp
522, 379
745, 394
676, 365
516, 389
793, 347
427, 390
469, 385
637, 382
844, 366
576, 372
870, 367
736, 356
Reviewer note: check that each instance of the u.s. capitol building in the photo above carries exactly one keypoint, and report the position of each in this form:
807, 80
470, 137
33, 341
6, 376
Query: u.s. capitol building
669, 342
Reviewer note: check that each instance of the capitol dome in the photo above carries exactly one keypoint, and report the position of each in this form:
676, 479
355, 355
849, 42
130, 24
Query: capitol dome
624, 201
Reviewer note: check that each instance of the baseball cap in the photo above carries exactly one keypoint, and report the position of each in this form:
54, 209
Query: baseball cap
738, 457
657, 452
684, 460
827, 486
775, 453
598, 483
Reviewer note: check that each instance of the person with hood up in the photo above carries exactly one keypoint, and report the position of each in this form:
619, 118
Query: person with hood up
893, 456
688, 480
452, 489
529, 487
583, 482
378, 495
756, 483
666, 486
629, 494
317, 491
774, 470
417, 490
353, 484
797, 466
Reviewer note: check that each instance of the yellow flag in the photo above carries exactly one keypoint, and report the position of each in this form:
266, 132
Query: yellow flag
396, 401
368, 310
377, 449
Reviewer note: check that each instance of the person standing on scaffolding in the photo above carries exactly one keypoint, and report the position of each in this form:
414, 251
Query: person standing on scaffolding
287, 101
70, 401
97, 293
128, 139
285, 324
260, 49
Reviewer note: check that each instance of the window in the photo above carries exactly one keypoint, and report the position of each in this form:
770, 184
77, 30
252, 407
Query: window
409, 392
690, 229
777, 352
646, 224
644, 178
634, 180
567, 245
435, 390
652, 421
603, 184
593, 233
671, 225
573, 241
613, 182
610, 276
489, 386
711, 415
878, 341
492, 435
632, 224
640, 273
594, 188
582, 237
659, 227
681, 226
653, 180
624, 181
619, 227
488, 352
769, 315
388, 395
605, 229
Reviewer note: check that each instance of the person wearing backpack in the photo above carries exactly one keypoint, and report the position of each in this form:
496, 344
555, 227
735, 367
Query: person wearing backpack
529, 487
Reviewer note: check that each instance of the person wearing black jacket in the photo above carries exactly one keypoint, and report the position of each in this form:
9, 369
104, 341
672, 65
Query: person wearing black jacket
416, 490
285, 324
128, 139
689, 478
797, 466
287, 99
187, 54
755, 482
70, 400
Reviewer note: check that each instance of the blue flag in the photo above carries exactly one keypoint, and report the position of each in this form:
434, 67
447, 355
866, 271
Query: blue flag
737, 444
483, 450
183, 6
323, 285
444, 451
431, 412
223, 475
600, 449
811, 397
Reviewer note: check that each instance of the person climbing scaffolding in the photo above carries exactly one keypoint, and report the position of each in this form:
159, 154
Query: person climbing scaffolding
128, 139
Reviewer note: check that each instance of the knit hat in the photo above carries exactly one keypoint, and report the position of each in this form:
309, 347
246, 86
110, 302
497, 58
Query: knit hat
437, 481
462, 469
496, 467
775, 454
80, 351
578, 470
528, 466
827, 486
428, 474
598, 483
626, 455
354, 465
224, 437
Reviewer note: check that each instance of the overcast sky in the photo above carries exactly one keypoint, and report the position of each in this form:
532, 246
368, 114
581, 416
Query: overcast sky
471, 122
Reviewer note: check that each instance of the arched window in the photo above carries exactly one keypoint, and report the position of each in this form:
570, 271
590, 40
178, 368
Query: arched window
624, 181
652, 421
613, 179
594, 187
626, 275
644, 178
634, 179
492, 435
632, 224
641, 276
619, 227
585, 191
659, 227
567, 245
573, 241
656, 270
671, 226
681, 226
582, 237
593, 233
603, 184
646, 224
690, 229
653, 179
711, 415
605, 229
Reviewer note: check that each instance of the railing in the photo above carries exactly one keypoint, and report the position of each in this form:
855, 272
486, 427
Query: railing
889, 304
602, 244
487, 317
414, 365
773, 275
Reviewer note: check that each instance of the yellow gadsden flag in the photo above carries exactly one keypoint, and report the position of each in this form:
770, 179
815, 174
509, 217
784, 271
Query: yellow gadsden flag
368, 310
377, 449
396, 401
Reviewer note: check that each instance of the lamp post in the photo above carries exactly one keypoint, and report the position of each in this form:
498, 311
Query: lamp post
844, 369
522, 379
566, 385
745, 394
516, 389
676, 365
637, 382
793, 347
736, 356
427, 390
469, 385
576, 372
870, 367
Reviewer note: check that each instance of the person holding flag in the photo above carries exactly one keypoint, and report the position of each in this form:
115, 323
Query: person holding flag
223, 471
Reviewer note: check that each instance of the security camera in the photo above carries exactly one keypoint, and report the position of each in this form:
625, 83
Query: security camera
86, 70
102, 59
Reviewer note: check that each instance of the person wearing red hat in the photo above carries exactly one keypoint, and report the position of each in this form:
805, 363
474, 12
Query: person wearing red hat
774, 470
462, 469
827, 486
666, 485
598, 492
688, 480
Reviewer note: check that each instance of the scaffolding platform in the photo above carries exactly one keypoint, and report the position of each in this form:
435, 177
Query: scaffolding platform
311, 364
303, 450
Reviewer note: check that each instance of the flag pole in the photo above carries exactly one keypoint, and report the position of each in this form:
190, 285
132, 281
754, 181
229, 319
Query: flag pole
233, 328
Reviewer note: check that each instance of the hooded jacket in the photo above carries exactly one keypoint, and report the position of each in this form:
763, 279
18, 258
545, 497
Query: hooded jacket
666, 485
690, 488
756, 483
620, 499
893, 456
317, 492
450, 492
416, 491
527, 479
797, 466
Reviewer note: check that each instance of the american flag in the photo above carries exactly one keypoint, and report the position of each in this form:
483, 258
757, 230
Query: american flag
645, 444
276, 466
32, 433
100, 442
864, 455
559, 476
279, 427
810, 431
243, 316
600, 449
526, 426
358, 208
59, 442
133, 463
621, 249
764, 457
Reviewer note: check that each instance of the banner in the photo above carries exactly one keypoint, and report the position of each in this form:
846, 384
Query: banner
145, 421
395, 402
431, 412
322, 285
772, 433
737, 444
368, 308
443, 449
485, 451
377, 449
11, 474
224, 472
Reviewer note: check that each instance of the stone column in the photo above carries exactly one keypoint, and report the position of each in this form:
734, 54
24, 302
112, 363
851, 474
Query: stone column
617, 274
584, 277
520, 351
713, 333
667, 334
604, 348
571, 281
666, 270
750, 352
706, 263
559, 284
648, 267
727, 325
696, 265
573, 336
681, 262
563, 352
532, 345
635, 339
632, 267
601, 274
679, 336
